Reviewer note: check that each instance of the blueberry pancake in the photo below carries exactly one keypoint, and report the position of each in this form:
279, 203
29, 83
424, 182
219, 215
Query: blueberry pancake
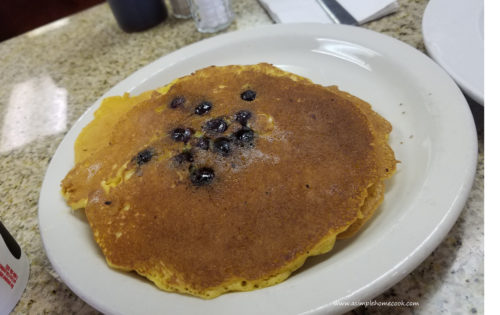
229, 178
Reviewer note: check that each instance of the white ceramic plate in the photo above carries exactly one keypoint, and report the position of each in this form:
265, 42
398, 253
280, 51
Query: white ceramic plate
433, 136
454, 36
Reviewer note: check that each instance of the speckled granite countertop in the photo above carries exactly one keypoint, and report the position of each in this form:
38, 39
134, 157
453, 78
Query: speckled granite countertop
75, 60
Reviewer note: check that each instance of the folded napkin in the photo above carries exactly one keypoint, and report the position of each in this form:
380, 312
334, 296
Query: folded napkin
296, 11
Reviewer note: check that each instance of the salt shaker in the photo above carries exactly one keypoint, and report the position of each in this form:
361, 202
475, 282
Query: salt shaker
211, 16
180, 9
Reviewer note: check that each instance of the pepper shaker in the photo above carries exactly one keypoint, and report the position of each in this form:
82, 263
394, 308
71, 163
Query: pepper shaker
180, 9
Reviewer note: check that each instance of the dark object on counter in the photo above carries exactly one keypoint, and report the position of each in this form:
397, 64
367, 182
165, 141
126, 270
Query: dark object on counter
20, 16
138, 15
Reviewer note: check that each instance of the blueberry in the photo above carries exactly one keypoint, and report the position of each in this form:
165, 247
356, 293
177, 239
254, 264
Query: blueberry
248, 95
203, 108
181, 134
178, 101
222, 146
243, 136
203, 143
202, 176
243, 116
185, 156
144, 156
217, 125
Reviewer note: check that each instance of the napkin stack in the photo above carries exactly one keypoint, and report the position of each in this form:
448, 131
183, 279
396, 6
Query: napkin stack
302, 11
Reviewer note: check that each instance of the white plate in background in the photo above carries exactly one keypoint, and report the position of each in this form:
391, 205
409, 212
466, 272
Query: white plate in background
453, 33
433, 136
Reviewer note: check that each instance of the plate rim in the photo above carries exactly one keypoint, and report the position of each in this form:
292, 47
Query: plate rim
403, 268
437, 55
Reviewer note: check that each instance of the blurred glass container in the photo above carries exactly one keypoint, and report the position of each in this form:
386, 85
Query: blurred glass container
138, 15
211, 16
181, 9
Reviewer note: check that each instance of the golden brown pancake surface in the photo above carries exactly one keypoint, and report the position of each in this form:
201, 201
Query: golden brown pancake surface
280, 187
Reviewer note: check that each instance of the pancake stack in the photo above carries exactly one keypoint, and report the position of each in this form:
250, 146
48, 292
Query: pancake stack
229, 178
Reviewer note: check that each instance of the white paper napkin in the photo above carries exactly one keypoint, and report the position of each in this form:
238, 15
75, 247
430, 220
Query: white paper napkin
297, 11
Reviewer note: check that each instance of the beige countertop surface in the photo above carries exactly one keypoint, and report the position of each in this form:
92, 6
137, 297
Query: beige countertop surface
70, 63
